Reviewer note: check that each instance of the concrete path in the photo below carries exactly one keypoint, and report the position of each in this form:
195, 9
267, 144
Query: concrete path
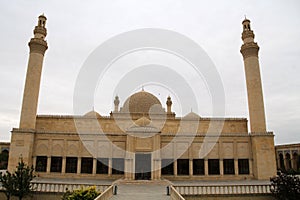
141, 191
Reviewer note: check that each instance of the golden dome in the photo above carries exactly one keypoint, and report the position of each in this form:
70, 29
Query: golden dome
141, 102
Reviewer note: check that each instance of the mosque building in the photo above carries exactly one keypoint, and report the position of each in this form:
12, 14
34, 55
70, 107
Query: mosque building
142, 138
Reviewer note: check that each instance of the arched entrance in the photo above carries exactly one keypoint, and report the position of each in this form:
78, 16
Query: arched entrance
142, 166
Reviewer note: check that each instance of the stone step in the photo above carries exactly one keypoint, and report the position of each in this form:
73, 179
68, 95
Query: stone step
137, 190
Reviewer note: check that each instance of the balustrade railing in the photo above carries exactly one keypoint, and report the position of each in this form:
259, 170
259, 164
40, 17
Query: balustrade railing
175, 194
63, 187
222, 189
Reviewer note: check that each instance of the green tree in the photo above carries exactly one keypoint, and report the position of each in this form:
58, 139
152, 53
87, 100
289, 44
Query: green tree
8, 184
19, 183
81, 194
22, 180
285, 187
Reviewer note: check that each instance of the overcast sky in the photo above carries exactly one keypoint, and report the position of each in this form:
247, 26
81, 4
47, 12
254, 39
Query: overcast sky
76, 28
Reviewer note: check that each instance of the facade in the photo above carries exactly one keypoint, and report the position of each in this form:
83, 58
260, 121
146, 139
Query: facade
287, 157
142, 139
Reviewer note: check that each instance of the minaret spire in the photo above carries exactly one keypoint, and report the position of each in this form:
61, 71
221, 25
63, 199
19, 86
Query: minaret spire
249, 51
37, 46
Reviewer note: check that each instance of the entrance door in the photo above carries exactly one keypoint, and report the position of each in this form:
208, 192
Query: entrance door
142, 166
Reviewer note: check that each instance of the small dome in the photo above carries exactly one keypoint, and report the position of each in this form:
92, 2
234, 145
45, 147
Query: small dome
192, 116
246, 20
92, 114
141, 102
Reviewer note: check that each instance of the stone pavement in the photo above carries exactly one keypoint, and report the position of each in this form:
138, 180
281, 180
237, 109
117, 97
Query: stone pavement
141, 191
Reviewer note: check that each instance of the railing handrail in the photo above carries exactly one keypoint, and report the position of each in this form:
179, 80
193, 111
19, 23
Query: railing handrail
73, 183
175, 195
223, 189
63, 187
106, 194
221, 185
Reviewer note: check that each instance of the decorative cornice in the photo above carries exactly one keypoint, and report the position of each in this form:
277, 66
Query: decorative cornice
40, 30
249, 49
109, 117
247, 34
21, 130
205, 135
38, 45
262, 134
288, 145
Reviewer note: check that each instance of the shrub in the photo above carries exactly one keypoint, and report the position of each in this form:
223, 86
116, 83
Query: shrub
89, 193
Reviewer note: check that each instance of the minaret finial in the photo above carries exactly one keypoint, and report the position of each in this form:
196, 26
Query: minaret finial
169, 104
116, 102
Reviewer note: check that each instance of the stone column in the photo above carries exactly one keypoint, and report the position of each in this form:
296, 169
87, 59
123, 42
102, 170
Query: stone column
129, 171
221, 167
236, 167
109, 166
175, 168
63, 165
48, 164
79, 165
34, 162
206, 167
94, 166
250, 166
191, 167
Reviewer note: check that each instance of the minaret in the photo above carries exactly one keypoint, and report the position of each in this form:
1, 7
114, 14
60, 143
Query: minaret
22, 139
116, 102
249, 51
169, 105
262, 142
37, 46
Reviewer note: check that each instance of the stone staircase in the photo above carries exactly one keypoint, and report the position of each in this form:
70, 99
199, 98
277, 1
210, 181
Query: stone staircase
141, 190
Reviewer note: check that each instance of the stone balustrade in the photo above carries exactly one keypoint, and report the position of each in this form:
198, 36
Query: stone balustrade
106, 194
175, 194
62, 187
223, 189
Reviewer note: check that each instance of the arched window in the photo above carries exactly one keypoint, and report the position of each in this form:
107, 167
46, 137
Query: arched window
281, 162
295, 161
4, 159
288, 161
